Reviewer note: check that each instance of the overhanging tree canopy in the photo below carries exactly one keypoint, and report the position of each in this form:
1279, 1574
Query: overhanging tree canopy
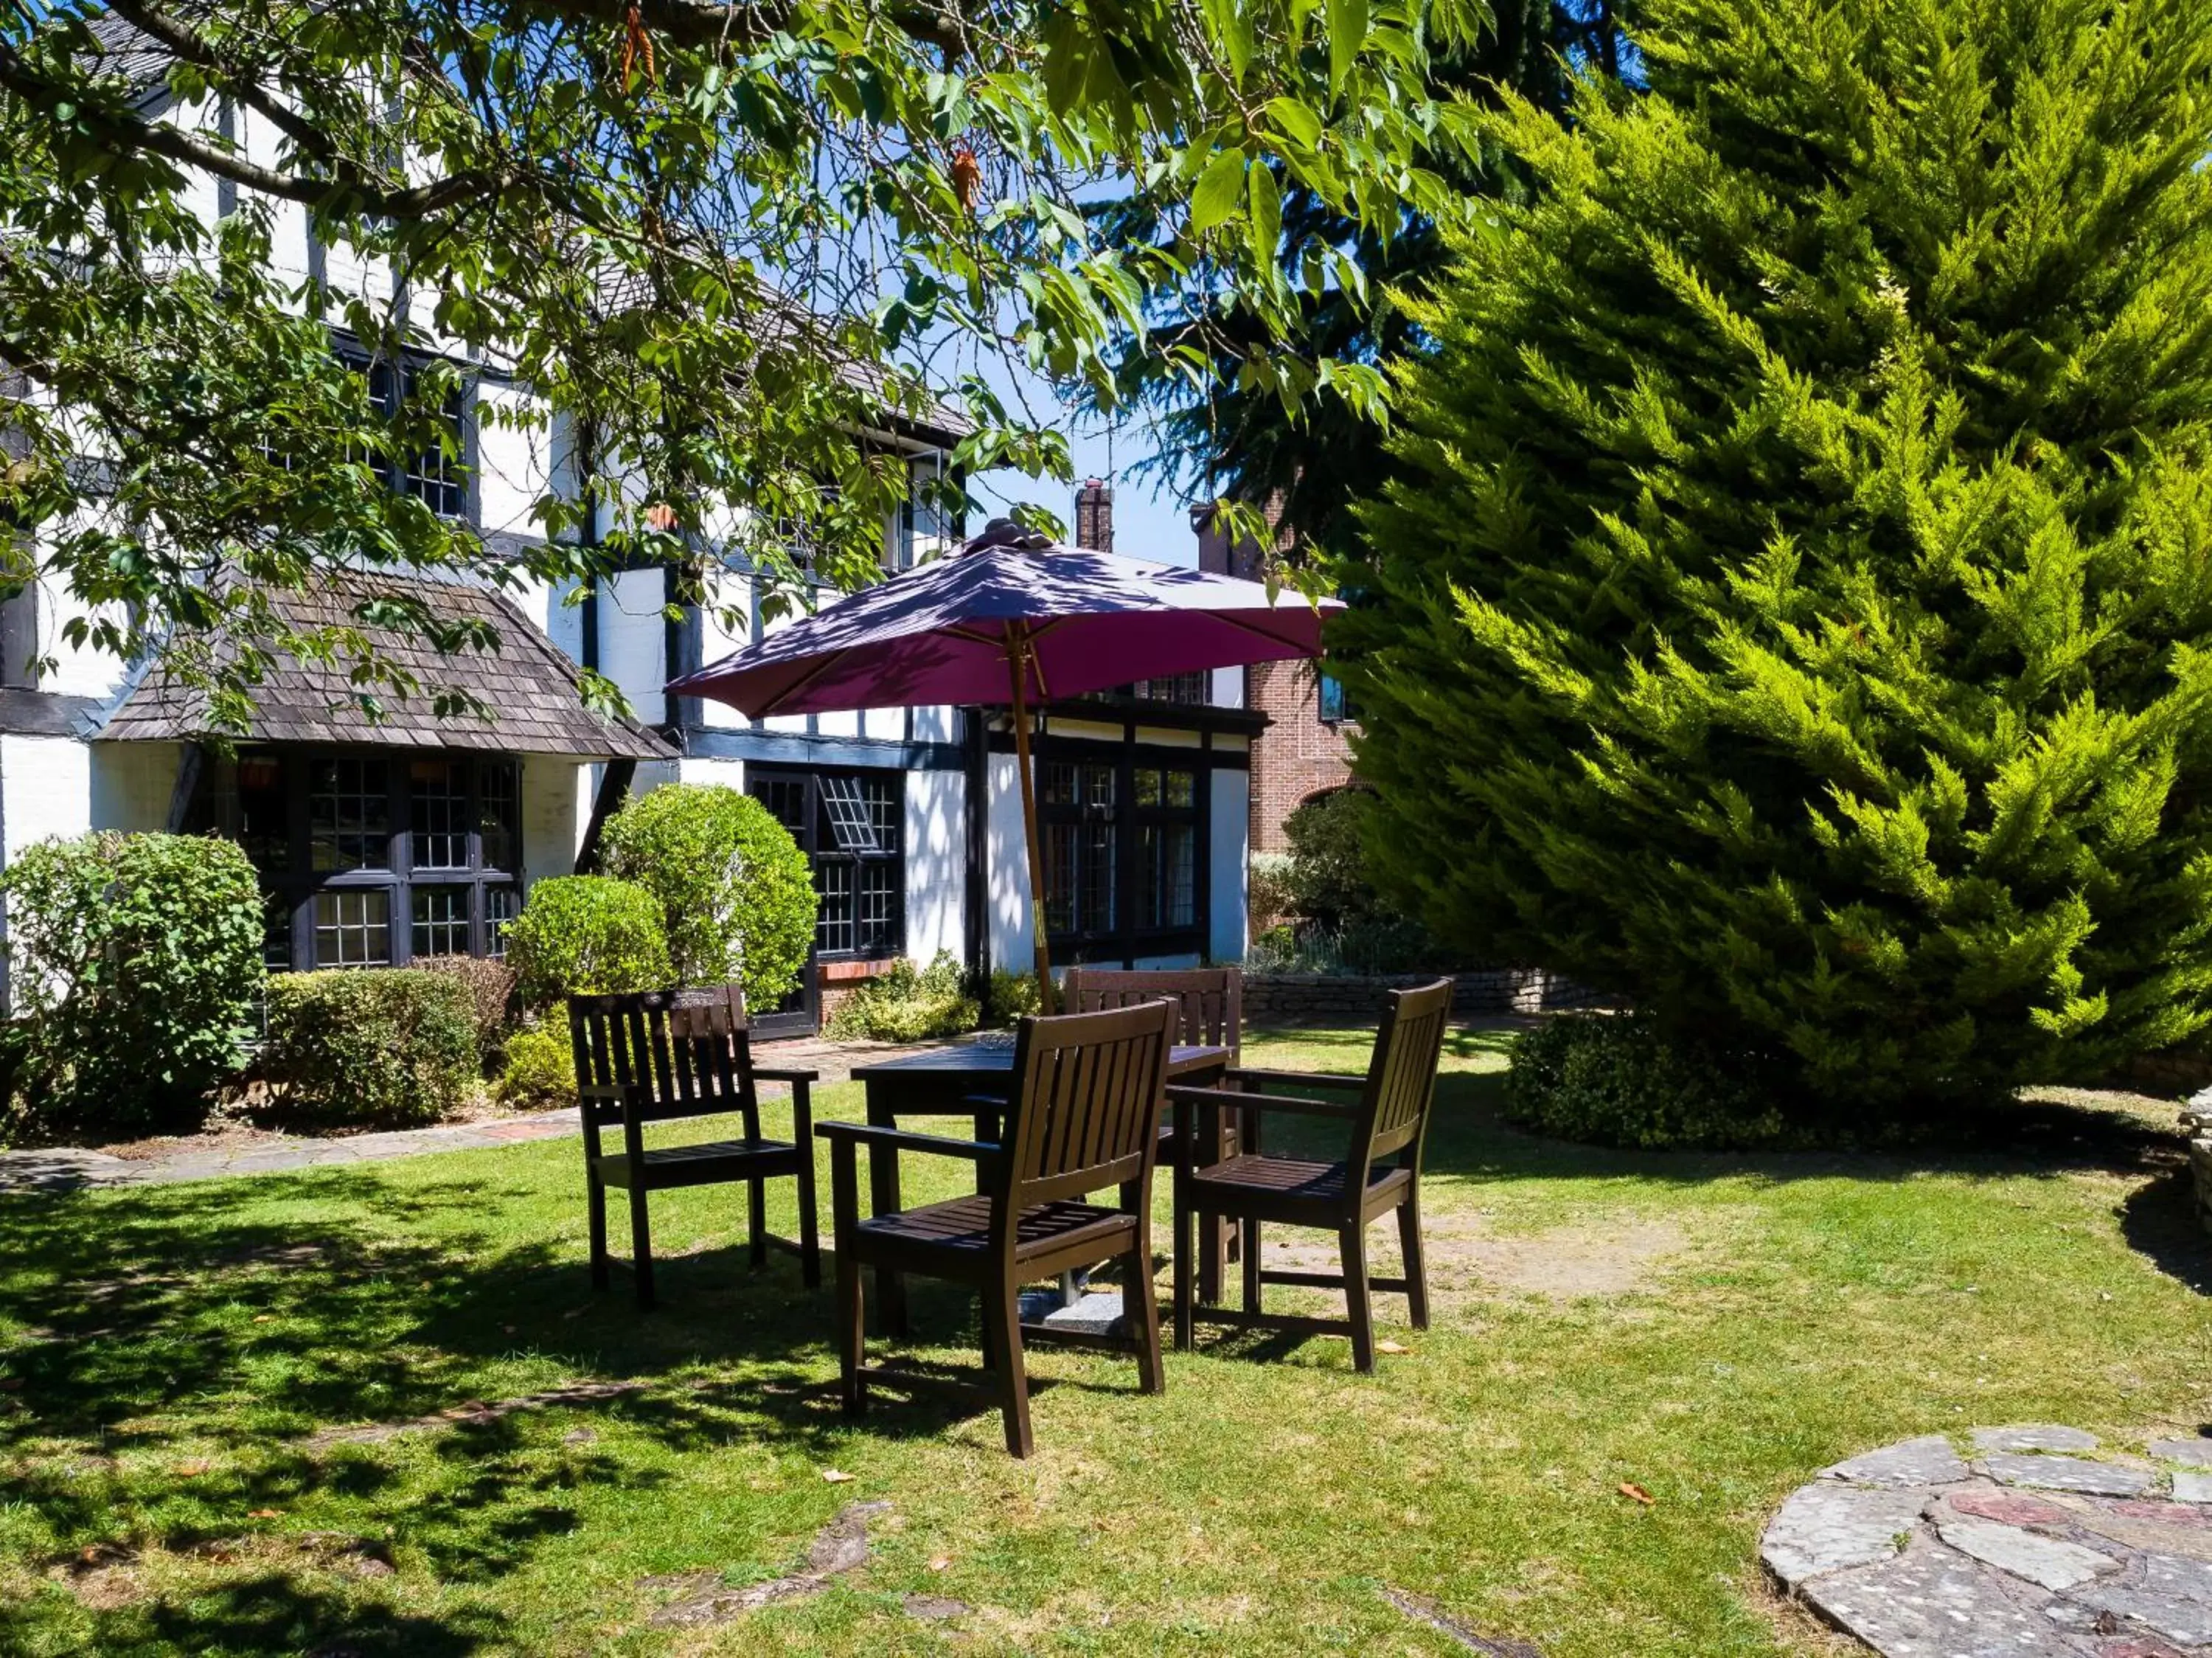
718, 242
1796, 613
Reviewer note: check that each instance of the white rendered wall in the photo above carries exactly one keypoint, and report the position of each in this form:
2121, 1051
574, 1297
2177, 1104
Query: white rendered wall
1225, 856
45, 789
131, 784
1008, 863
634, 637
556, 807
729, 774
936, 863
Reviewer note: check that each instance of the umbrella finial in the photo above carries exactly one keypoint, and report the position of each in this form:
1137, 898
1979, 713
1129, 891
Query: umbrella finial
1006, 533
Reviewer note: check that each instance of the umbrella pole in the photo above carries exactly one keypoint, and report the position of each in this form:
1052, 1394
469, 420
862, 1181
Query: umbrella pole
1018, 656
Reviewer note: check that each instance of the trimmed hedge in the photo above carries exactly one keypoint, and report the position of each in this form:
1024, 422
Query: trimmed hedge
905, 1004
135, 961
587, 934
384, 1048
490, 986
541, 1069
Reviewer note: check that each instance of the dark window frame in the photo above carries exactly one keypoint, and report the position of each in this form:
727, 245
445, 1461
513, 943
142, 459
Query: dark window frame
1127, 932
797, 796
291, 884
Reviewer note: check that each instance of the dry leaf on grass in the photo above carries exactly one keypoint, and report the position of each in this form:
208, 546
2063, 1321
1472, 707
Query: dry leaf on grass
1392, 1347
265, 1513
263, 1318
192, 1469
1629, 1488
939, 1562
835, 1477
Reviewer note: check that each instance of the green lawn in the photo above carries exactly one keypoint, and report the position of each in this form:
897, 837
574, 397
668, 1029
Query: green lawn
1713, 1329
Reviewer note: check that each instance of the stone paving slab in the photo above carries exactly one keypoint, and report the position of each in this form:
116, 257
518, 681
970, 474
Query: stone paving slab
2103, 1566
2196, 1452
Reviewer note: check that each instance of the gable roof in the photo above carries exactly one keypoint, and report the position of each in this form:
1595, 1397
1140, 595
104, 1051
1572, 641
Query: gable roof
128, 51
531, 687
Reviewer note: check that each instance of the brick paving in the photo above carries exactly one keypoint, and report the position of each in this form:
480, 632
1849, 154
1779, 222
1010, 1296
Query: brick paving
69, 1169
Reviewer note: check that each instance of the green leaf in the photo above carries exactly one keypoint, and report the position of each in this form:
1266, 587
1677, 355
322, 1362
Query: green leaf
1347, 33
1297, 122
1265, 210
1219, 188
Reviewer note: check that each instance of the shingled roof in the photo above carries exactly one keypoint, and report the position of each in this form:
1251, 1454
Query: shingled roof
532, 689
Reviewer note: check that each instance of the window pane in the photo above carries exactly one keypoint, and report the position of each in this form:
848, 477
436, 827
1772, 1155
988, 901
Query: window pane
885, 797
499, 813
1098, 785
441, 921
502, 905
435, 475
1060, 858
276, 933
264, 814
1180, 789
1057, 785
786, 800
833, 922
1094, 892
1167, 870
1147, 784
438, 814
878, 906
352, 927
348, 803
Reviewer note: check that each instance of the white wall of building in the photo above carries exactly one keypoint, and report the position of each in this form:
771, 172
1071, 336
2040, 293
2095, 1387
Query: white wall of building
556, 807
936, 863
1007, 885
1228, 863
46, 789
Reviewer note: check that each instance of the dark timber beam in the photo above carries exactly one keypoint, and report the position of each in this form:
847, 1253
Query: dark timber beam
614, 788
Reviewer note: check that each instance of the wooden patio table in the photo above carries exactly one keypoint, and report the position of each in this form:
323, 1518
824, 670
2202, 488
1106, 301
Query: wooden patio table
947, 1082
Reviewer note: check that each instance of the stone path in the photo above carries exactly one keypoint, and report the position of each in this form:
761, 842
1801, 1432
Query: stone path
67, 1168
2028, 1542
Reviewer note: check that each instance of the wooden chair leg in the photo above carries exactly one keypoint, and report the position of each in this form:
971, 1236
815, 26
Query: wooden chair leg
640, 1249
596, 1196
1409, 1247
990, 1328
1353, 1241
756, 1220
809, 1226
1003, 1304
852, 1334
1184, 1221
1250, 1229
1141, 1311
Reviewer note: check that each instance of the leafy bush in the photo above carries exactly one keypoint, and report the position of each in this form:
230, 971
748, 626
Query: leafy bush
904, 1005
491, 993
1008, 996
541, 1069
737, 897
135, 962
1792, 613
1614, 1079
1267, 898
587, 934
383, 1048
1325, 882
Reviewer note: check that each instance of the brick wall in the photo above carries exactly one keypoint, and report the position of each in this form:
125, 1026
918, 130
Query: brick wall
1297, 756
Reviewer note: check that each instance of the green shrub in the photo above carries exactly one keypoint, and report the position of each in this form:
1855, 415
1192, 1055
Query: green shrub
1325, 882
1008, 996
380, 1048
904, 1005
736, 894
541, 1069
491, 995
1790, 609
135, 962
1268, 901
1616, 1081
587, 934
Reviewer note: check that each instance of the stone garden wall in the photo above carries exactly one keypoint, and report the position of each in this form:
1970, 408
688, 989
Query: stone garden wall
1311, 999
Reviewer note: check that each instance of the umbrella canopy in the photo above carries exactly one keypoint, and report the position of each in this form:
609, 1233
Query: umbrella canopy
1013, 618
943, 632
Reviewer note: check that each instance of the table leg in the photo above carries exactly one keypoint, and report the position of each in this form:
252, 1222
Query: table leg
1212, 1235
884, 1199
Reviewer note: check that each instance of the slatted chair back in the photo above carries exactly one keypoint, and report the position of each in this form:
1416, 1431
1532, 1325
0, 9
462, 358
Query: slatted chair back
1211, 999
688, 1050
1402, 1077
1085, 1109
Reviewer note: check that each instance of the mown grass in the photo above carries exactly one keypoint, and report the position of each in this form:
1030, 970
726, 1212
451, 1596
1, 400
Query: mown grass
165, 1354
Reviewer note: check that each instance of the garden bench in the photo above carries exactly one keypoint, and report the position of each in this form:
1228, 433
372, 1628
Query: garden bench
1084, 1115
1379, 1172
661, 1056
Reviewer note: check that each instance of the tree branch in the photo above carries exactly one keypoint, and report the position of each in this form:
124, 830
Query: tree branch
241, 85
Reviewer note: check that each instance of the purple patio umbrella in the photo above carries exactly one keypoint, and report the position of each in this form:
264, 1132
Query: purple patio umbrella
1012, 617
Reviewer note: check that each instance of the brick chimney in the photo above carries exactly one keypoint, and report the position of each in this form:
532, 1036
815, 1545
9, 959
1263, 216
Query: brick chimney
1094, 516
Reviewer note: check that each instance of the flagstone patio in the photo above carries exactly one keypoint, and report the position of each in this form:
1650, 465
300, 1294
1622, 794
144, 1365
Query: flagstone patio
2031, 1541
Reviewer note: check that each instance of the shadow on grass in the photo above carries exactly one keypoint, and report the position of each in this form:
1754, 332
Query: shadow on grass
190, 1358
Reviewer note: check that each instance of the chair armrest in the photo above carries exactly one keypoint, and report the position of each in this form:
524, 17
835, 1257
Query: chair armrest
1296, 1079
1230, 1100
763, 1074
989, 1102
899, 1139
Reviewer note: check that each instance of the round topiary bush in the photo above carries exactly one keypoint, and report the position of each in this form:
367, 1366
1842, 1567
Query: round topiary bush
1614, 1079
135, 963
541, 1070
736, 894
588, 934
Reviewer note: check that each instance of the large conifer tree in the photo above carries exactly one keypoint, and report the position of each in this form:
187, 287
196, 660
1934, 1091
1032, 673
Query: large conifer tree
1795, 607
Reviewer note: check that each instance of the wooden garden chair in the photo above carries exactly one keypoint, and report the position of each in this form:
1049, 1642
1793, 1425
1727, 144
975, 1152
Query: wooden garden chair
1085, 1115
1379, 1172
664, 1055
